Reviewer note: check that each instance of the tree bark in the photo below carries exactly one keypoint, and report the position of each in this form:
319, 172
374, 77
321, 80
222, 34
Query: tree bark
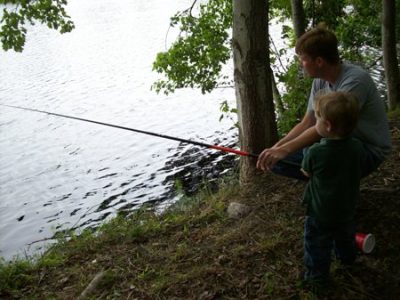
390, 61
257, 125
298, 17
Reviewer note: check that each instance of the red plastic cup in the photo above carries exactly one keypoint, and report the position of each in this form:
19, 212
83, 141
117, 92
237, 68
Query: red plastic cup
365, 242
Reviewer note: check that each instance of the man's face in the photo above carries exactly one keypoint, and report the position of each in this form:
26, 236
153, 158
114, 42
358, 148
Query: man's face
310, 65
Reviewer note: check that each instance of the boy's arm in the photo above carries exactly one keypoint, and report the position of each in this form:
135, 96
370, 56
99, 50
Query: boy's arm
306, 164
305, 173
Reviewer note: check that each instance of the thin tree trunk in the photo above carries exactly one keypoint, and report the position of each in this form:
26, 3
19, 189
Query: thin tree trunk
252, 80
276, 94
298, 17
389, 52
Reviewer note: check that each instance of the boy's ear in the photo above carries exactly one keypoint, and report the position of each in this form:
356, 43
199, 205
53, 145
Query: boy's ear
328, 126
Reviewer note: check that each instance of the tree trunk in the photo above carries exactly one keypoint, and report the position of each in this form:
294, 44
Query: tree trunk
389, 52
298, 17
252, 81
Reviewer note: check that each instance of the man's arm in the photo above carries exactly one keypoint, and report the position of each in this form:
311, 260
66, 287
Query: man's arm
302, 135
307, 122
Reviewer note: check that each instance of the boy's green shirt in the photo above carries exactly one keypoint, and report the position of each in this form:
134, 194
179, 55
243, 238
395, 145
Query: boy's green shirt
334, 166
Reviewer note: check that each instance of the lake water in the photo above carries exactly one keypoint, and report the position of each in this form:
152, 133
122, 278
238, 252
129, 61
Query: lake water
58, 173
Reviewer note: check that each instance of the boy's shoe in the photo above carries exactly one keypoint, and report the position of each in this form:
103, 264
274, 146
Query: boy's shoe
317, 286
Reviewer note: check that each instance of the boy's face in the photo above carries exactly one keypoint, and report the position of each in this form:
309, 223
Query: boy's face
322, 126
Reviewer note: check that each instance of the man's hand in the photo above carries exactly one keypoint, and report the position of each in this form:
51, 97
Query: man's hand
270, 156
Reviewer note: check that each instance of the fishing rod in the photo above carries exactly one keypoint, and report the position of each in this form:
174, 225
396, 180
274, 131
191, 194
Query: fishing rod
201, 144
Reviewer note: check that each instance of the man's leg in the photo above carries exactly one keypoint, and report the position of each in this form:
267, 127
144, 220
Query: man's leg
290, 166
370, 163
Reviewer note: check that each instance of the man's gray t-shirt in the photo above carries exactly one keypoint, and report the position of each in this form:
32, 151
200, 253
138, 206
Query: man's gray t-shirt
372, 128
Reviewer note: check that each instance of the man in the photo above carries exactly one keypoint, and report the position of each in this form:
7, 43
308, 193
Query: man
319, 56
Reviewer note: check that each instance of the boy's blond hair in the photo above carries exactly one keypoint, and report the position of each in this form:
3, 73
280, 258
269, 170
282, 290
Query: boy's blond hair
340, 109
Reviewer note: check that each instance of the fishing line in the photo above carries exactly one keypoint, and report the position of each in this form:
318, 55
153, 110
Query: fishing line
201, 144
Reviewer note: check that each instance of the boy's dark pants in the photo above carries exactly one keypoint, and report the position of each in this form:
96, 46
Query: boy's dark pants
319, 241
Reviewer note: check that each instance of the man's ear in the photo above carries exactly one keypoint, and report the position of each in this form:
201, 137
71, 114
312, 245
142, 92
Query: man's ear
319, 61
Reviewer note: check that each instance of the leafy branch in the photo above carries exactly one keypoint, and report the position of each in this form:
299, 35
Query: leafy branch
19, 12
196, 58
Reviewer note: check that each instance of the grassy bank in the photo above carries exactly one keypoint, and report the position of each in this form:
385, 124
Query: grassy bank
195, 251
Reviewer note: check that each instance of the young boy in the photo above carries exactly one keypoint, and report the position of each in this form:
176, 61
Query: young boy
334, 169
